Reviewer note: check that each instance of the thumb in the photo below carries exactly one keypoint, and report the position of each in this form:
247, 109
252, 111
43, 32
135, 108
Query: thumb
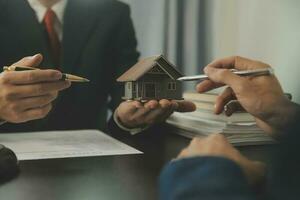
30, 61
226, 77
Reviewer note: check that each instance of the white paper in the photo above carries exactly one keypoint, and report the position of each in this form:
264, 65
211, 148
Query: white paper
64, 144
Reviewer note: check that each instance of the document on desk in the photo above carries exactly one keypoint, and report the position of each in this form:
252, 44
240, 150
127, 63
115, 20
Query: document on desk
64, 144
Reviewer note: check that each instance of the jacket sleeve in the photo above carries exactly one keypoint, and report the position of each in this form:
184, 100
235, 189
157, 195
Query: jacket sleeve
209, 178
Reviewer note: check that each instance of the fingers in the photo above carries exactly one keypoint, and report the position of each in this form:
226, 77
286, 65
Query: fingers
134, 114
223, 76
36, 102
218, 78
145, 109
213, 145
36, 113
238, 63
142, 110
207, 85
153, 104
185, 106
30, 114
30, 77
226, 96
163, 110
30, 61
152, 112
219, 75
126, 113
248, 64
129, 108
23, 91
183, 153
218, 145
223, 99
169, 111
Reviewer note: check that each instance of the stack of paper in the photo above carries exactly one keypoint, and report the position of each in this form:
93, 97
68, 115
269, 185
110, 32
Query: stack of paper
240, 128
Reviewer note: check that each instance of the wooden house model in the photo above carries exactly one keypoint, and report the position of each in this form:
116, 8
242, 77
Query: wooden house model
152, 78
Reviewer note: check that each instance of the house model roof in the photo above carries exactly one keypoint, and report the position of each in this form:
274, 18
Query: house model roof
145, 65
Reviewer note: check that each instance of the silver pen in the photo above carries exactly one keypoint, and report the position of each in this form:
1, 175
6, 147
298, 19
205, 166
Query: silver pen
254, 72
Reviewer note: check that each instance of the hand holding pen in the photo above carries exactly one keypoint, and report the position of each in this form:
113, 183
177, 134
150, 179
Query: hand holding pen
28, 95
233, 105
258, 95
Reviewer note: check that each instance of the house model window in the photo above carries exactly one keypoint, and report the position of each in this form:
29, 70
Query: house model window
128, 85
152, 78
172, 86
134, 87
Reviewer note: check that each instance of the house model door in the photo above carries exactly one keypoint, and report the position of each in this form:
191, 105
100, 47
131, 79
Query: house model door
149, 90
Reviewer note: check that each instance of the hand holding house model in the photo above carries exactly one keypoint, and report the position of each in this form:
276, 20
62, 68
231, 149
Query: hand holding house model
152, 93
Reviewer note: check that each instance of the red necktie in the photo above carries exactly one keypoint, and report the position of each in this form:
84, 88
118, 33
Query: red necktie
54, 42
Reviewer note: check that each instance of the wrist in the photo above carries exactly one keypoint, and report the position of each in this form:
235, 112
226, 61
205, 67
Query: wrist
284, 117
120, 121
132, 131
2, 121
255, 172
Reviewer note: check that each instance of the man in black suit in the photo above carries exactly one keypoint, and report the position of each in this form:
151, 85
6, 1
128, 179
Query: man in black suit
91, 38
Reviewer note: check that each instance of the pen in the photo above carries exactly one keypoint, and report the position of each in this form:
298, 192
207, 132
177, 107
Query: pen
67, 77
255, 72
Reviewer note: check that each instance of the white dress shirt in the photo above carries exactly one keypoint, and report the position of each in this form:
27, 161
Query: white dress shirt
58, 9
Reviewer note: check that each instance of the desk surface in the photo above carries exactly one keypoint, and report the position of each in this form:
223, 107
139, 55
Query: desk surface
108, 178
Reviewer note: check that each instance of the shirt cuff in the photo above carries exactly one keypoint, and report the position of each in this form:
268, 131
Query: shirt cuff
132, 131
2, 122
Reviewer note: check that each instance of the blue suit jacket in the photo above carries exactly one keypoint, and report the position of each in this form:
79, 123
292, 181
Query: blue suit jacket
209, 178
213, 178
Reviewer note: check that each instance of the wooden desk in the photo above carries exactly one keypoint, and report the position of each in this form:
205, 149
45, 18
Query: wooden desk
103, 178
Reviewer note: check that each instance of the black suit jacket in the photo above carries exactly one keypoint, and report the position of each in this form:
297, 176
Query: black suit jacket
98, 43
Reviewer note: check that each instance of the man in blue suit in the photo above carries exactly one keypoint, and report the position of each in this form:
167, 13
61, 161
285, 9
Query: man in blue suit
213, 169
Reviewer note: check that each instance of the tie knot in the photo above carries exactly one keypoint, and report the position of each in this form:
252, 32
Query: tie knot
49, 17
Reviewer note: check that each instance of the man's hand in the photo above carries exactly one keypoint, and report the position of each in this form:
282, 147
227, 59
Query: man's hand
261, 96
27, 95
217, 145
134, 114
